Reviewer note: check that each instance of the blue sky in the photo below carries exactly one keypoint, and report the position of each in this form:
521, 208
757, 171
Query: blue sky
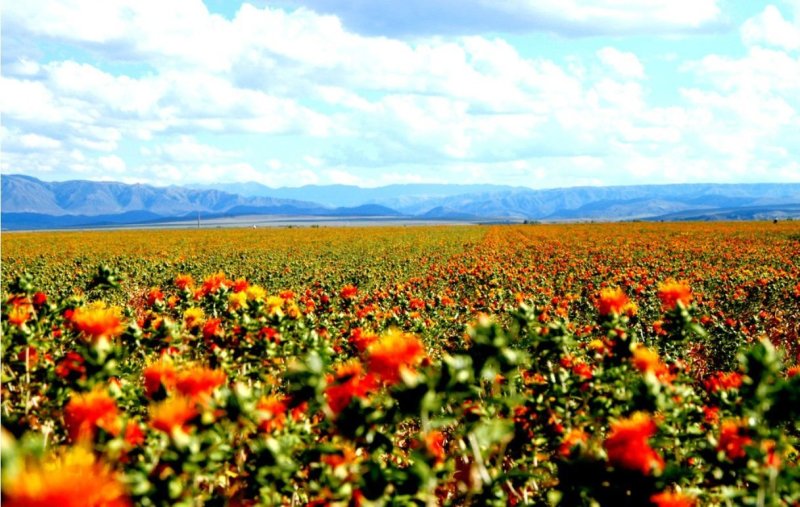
545, 93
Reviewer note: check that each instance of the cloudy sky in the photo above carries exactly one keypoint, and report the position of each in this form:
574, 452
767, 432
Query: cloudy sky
540, 93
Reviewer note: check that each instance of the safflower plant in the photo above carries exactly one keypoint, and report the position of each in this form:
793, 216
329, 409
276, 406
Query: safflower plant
214, 390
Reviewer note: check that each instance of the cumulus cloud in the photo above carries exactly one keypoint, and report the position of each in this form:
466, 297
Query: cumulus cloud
320, 98
770, 28
624, 63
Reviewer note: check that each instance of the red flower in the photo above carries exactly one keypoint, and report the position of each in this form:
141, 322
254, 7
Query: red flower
671, 293
158, 374
239, 285
360, 339
393, 353
198, 382
212, 284
85, 413
627, 445
270, 334
583, 370
733, 439
772, 458
134, 435
71, 366
348, 382
711, 414
212, 328
723, 381
39, 299
348, 292
416, 304
155, 296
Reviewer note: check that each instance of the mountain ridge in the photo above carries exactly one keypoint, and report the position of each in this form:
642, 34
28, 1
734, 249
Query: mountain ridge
26, 199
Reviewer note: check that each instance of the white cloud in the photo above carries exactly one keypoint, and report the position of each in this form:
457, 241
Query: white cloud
28, 142
187, 149
770, 28
112, 163
350, 106
624, 63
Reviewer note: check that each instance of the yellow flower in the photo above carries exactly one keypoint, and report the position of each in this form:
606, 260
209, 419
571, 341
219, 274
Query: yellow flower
274, 306
256, 292
237, 300
193, 317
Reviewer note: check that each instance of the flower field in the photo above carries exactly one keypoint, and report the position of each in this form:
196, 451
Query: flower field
610, 364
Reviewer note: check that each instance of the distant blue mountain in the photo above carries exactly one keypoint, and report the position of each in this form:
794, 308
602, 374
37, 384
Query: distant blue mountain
29, 203
30, 195
351, 195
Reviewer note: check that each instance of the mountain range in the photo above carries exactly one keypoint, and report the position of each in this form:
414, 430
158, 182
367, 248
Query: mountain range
30, 203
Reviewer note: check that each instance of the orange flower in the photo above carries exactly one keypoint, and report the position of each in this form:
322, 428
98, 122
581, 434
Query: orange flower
272, 413
671, 293
346, 456
84, 413
21, 310
647, 361
673, 499
723, 381
73, 479
772, 459
348, 292
199, 382
98, 321
627, 445
710, 414
434, 442
614, 301
172, 414
733, 439
348, 382
213, 283
184, 282
394, 353
161, 373
573, 438
155, 296
361, 339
